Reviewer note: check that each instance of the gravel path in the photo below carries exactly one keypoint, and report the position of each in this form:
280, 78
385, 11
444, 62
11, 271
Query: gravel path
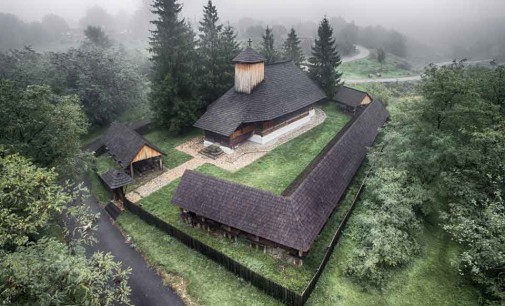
164, 179
244, 155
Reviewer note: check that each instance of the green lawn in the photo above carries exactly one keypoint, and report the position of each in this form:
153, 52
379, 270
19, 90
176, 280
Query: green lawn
277, 169
102, 164
360, 69
167, 143
207, 282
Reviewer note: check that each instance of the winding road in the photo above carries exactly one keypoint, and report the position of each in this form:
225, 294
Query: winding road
146, 285
362, 53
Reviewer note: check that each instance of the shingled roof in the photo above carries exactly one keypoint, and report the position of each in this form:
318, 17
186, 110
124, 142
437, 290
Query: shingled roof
294, 220
124, 143
350, 96
248, 56
115, 178
285, 89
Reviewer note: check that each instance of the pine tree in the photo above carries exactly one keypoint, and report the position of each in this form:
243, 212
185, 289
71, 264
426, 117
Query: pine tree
325, 60
173, 93
268, 50
292, 49
229, 48
211, 63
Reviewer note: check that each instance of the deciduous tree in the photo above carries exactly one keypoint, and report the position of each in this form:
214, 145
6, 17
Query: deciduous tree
41, 125
39, 270
97, 37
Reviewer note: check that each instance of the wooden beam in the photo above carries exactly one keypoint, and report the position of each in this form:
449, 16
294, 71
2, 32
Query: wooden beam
131, 169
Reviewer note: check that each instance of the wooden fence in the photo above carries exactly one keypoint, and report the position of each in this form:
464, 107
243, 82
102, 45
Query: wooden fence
271, 288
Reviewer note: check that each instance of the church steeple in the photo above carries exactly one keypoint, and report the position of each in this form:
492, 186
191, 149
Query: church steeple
249, 70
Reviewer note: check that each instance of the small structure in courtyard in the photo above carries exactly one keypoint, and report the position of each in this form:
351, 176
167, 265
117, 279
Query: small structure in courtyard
116, 180
212, 151
350, 99
132, 151
266, 102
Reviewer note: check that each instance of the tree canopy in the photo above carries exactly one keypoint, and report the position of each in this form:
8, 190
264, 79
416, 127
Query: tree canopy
105, 80
40, 124
216, 48
441, 157
325, 60
37, 267
97, 37
174, 99
292, 49
268, 50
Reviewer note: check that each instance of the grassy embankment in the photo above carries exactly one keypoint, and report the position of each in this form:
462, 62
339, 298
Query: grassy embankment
392, 67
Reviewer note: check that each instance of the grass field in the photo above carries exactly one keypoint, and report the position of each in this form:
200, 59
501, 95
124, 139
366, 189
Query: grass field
167, 144
102, 164
206, 282
360, 69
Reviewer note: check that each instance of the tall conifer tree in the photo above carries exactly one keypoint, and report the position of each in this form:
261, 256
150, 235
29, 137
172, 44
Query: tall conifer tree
173, 94
268, 50
210, 65
217, 46
229, 48
292, 49
325, 60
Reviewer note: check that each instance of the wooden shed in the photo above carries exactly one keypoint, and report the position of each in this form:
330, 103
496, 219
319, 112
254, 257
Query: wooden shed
130, 150
350, 99
115, 180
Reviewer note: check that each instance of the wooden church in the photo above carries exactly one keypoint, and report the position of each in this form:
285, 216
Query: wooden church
267, 101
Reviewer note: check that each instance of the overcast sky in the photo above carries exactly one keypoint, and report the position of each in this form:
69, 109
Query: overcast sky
404, 15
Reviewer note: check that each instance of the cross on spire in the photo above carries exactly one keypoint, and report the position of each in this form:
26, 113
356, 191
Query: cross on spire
249, 42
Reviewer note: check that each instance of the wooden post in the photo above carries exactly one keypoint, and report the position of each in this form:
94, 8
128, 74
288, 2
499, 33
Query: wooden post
131, 169
161, 163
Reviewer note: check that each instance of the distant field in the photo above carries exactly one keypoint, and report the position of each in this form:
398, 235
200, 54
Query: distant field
393, 67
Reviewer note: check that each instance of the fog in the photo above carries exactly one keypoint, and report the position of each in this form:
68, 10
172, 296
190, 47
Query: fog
438, 23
